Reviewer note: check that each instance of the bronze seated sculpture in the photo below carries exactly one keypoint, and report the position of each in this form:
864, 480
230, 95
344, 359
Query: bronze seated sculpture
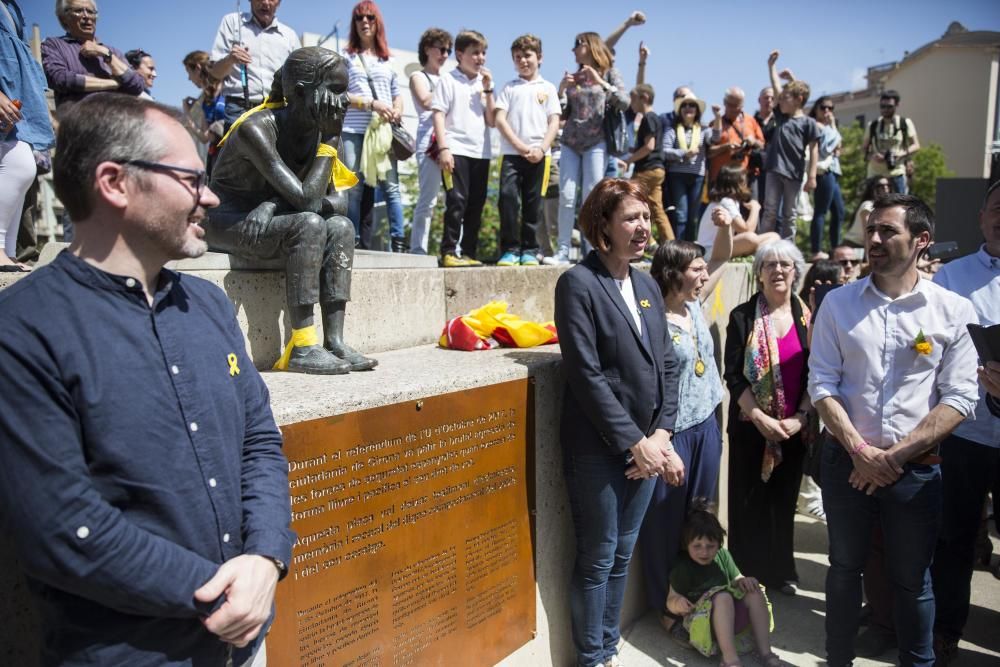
276, 177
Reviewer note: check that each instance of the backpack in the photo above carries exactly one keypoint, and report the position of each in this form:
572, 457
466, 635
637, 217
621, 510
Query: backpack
873, 127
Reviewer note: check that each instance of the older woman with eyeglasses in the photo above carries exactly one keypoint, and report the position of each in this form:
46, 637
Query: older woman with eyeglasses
769, 412
366, 137
78, 63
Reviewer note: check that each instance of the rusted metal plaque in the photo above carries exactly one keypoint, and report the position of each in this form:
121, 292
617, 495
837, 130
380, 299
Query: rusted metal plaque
414, 541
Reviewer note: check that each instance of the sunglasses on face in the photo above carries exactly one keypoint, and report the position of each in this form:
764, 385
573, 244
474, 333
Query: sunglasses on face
848, 263
882, 186
446, 50
578, 42
360, 18
689, 105
887, 106
826, 108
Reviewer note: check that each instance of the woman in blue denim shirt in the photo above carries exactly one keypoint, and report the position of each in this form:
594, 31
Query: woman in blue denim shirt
24, 126
686, 279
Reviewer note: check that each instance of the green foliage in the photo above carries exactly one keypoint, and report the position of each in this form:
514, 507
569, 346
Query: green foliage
928, 166
489, 232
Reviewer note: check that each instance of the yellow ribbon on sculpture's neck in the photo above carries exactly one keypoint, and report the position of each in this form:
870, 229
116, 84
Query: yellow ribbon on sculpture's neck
305, 337
246, 114
341, 177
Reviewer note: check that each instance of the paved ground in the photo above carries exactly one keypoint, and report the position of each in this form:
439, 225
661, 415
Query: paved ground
799, 636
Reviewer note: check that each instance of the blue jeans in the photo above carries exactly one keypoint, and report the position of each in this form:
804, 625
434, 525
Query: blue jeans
827, 198
578, 172
900, 183
685, 195
910, 514
700, 448
607, 511
389, 187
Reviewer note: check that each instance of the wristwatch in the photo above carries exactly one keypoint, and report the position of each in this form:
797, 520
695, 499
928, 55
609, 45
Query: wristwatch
107, 57
282, 568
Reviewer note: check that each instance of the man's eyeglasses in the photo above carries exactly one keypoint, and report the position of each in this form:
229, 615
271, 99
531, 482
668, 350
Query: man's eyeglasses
80, 12
887, 106
365, 17
198, 184
848, 263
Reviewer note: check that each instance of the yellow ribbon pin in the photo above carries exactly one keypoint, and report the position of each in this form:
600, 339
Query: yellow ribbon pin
645, 303
233, 368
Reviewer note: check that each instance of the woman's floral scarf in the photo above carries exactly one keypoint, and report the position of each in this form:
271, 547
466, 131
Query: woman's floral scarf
762, 368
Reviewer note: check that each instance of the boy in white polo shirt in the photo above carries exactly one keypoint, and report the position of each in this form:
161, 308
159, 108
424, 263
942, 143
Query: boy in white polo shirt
527, 115
463, 114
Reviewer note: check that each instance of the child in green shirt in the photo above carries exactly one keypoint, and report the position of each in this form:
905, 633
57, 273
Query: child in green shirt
723, 610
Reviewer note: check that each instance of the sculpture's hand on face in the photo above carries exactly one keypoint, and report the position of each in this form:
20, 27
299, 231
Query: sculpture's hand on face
329, 107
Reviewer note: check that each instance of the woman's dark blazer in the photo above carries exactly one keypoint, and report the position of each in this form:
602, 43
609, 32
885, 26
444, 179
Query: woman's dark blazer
737, 334
619, 387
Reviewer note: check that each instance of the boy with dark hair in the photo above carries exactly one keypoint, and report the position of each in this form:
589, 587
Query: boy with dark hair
463, 113
527, 115
786, 161
647, 156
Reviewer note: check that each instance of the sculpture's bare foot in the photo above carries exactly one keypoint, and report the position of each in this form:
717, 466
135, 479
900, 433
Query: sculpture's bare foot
316, 360
357, 361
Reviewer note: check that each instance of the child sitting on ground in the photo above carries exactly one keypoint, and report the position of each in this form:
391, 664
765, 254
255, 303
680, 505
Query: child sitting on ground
723, 610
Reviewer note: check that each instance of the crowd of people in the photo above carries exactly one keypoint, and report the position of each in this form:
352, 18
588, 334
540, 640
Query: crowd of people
556, 140
860, 373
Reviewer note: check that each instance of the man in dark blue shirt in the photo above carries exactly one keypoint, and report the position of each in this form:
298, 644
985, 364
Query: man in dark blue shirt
141, 473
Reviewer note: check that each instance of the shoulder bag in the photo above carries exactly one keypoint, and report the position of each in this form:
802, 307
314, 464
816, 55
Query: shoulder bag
403, 143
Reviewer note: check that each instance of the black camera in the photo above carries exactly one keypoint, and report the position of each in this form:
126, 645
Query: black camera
744, 148
890, 159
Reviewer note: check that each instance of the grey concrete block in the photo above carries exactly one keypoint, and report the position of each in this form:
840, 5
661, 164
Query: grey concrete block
529, 291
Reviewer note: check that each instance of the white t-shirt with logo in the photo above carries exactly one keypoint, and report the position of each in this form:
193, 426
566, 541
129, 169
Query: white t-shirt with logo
528, 105
463, 103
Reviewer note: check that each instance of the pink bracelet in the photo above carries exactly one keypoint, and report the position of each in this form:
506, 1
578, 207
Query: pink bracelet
858, 447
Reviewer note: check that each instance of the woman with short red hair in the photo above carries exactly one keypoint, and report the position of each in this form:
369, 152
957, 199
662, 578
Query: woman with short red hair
374, 83
619, 407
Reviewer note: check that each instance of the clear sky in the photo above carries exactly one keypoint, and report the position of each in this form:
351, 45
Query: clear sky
707, 45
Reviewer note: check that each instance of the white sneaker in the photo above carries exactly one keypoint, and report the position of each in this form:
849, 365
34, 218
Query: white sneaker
613, 661
558, 259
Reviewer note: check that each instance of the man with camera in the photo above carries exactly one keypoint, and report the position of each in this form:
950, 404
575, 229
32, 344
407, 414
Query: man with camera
890, 142
736, 135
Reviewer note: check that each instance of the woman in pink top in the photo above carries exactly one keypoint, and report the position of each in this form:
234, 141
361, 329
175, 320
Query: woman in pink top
769, 413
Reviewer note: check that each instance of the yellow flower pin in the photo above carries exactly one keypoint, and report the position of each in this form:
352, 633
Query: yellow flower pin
644, 303
677, 339
922, 345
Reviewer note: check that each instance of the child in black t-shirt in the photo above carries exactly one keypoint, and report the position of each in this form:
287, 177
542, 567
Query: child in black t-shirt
723, 610
647, 156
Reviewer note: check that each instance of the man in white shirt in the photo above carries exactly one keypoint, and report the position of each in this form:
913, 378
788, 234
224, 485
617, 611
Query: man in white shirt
892, 371
971, 455
257, 41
